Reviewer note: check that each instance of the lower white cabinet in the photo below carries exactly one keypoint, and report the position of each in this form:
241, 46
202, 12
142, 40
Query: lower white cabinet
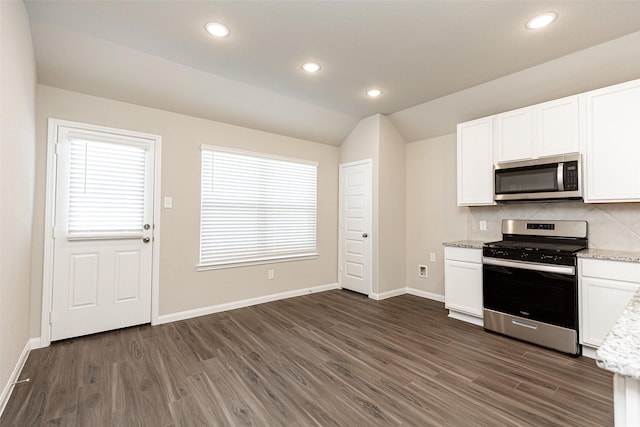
463, 283
606, 287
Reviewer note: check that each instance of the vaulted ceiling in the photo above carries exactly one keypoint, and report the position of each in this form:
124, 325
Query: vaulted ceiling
437, 62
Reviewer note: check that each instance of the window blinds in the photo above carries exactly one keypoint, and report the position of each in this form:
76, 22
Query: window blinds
255, 208
107, 189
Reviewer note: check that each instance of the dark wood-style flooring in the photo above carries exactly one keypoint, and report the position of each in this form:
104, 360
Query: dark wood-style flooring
329, 359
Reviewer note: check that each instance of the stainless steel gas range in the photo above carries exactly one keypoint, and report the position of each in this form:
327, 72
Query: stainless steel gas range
530, 282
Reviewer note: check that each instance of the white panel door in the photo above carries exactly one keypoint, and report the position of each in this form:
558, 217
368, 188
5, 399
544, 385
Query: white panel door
355, 227
103, 226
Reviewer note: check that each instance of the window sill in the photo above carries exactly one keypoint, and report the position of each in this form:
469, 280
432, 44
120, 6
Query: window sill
248, 263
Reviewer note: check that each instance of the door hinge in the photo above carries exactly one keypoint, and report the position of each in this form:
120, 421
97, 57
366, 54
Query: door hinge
53, 232
51, 317
57, 149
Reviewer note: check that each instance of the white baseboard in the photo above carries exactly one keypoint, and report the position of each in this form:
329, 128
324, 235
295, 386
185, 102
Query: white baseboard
425, 294
410, 291
589, 352
479, 321
8, 388
188, 314
388, 294
36, 343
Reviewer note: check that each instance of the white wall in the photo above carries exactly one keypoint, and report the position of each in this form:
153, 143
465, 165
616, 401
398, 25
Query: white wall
181, 286
376, 138
433, 216
17, 163
391, 207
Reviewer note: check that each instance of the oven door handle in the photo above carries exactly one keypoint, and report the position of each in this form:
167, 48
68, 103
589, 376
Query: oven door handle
534, 266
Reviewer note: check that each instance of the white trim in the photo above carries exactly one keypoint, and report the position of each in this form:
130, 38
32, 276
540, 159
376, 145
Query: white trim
50, 189
388, 294
188, 314
409, 291
466, 318
36, 343
589, 352
425, 294
8, 388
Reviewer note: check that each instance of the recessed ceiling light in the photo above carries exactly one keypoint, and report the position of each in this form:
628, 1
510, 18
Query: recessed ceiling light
541, 20
217, 29
311, 67
374, 93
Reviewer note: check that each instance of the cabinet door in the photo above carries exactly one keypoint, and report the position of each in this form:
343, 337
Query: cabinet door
602, 302
613, 143
475, 163
463, 287
558, 127
514, 135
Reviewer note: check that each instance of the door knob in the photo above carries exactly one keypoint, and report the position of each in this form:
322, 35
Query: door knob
146, 240
365, 235
146, 226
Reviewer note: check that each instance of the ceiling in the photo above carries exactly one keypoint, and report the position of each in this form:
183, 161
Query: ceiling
420, 53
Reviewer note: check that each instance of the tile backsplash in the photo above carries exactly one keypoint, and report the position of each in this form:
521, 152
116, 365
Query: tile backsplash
610, 226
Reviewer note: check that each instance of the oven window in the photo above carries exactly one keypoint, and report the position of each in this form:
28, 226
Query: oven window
527, 179
545, 297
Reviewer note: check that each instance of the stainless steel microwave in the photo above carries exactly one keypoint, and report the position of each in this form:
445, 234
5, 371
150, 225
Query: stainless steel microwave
549, 178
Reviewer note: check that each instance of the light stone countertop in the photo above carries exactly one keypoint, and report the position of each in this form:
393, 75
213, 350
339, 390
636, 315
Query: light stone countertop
610, 255
471, 244
620, 351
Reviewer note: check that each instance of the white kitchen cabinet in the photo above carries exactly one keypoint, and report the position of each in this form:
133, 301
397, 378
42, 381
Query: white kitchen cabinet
548, 129
606, 287
514, 135
475, 163
613, 144
557, 127
463, 283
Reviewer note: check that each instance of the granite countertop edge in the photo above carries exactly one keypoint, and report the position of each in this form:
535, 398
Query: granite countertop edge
470, 244
610, 255
620, 351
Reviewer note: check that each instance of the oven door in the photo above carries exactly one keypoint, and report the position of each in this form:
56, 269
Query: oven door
541, 292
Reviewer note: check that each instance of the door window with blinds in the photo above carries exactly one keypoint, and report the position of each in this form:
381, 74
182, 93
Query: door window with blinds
107, 184
256, 209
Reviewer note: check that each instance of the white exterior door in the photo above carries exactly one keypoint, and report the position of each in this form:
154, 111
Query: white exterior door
103, 231
355, 227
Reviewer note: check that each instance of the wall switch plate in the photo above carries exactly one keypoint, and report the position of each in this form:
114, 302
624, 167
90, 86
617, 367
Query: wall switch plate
168, 202
432, 257
270, 274
483, 225
422, 271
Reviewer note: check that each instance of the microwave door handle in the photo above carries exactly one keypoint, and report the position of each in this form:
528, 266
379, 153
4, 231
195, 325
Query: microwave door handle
560, 176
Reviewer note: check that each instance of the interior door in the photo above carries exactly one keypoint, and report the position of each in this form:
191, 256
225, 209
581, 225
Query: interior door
355, 227
102, 263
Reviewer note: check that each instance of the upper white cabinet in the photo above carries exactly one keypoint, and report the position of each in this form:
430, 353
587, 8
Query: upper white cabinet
514, 135
546, 129
475, 163
613, 143
558, 127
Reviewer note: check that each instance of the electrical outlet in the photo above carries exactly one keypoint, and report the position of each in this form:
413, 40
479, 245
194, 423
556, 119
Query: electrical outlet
432, 257
483, 225
422, 271
270, 274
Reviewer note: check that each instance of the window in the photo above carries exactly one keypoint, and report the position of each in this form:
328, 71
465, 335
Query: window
106, 188
255, 209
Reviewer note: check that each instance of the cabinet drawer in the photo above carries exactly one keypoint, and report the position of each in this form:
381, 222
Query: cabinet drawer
611, 270
463, 254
